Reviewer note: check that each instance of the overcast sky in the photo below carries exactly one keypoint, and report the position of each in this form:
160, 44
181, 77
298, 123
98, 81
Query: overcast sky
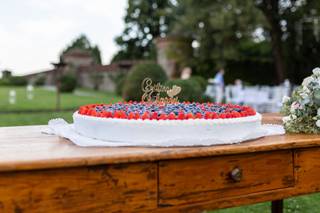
33, 32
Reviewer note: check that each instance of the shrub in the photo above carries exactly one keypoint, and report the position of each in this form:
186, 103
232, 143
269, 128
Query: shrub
40, 81
205, 98
120, 85
132, 88
4, 82
201, 80
190, 89
17, 81
68, 83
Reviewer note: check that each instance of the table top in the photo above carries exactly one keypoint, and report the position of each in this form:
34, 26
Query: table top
26, 148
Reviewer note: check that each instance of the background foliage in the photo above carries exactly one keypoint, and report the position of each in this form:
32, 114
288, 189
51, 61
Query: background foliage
144, 21
190, 89
251, 38
83, 43
132, 86
68, 83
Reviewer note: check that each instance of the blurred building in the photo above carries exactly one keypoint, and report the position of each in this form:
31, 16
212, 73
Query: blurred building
81, 64
89, 74
171, 51
168, 64
6, 74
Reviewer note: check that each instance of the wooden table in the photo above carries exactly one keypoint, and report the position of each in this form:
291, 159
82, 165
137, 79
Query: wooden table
41, 173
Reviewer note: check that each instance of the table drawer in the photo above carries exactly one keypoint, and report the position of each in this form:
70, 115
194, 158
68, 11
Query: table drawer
204, 179
307, 165
105, 188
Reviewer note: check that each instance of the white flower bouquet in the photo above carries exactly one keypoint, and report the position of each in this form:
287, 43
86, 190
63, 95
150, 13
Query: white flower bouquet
302, 109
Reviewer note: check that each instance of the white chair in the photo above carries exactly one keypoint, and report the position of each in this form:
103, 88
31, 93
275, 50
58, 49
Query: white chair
29, 92
12, 96
250, 96
237, 94
214, 91
234, 94
210, 90
277, 96
262, 100
218, 93
227, 94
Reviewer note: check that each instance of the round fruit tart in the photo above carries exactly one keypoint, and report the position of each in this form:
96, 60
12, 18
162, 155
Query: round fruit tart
154, 123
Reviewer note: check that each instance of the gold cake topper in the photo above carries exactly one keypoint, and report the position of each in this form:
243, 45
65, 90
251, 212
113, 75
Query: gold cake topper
152, 92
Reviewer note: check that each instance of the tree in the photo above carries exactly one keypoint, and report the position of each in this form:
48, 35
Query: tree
83, 43
144, 21
259, 41
224, 34
217, 28
293, 26
271, 10
301, 38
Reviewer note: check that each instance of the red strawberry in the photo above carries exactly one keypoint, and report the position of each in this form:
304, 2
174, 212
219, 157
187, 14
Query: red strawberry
222, 115
181, 116
109, 114
243, 114
123, 115
136, 116
154, 116
163, 117
190, 116
117, 114
131, 115
145, 116
104, 114
236, 114
172, 116
228, 115
93, 113
251, 112
214, 115
208, 115
82, 110
199, 115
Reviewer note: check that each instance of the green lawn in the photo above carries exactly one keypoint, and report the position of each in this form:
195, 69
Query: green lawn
46, 100
21, 119
301, 204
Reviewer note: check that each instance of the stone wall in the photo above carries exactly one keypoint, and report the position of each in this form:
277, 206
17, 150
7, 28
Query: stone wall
169, 65
49, 76
173, 54
88, 80
106, 80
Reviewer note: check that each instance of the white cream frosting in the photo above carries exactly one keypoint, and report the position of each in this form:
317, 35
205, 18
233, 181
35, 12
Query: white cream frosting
160, 131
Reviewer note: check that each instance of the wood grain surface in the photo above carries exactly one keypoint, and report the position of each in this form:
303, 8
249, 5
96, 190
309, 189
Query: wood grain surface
272, 118
307, 165
307, 180
116, 188
24, 148
205, 179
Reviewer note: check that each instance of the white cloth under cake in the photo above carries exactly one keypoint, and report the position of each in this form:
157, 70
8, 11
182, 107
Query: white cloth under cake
63, 129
